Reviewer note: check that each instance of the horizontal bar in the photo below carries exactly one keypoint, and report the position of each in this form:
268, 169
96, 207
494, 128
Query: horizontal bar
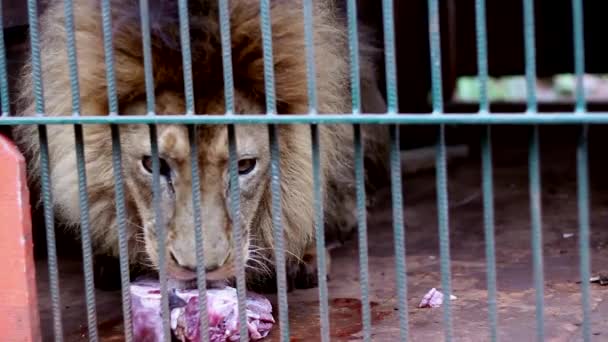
555, 118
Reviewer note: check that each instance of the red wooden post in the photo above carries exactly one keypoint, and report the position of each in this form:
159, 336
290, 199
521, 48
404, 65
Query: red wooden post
19, 318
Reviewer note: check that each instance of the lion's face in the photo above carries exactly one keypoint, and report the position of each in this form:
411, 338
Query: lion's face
175, 199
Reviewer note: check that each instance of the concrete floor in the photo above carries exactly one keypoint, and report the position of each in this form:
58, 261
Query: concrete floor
516, 310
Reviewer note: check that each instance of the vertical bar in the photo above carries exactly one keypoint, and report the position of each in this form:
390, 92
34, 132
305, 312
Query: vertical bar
226, 56
482, 54
316, 171
389, 56
123, 239
117, 169
353, 46
237, 232
108, 46
320, 235
486, 165
395, 165
4, 97
362, 234
398, 230
435, 46
275, 182
161, 235
198, 235
144, 11
233, 172
582, 168
534, 167
279, 239
268, 58
184, 29
85, 229
441, 171
530, 55
311, 74
47, 198
488, 215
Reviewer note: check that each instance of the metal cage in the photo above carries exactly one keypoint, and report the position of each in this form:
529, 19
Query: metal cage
393, 118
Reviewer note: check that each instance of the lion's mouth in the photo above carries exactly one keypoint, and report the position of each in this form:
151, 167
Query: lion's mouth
181, 278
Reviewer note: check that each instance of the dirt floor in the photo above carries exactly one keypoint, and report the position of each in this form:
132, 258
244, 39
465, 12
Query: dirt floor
515, 282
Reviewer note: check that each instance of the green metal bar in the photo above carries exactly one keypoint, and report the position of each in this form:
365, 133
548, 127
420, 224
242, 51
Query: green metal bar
536, 219
161, 235
441, 172
108, 46
320, 235
488, 213
227, 56
144, 10
482, 54
269, 86
311, 74
530, 55
4, 97
316, 170
582, 162
45, 179
534, 167
399, 230
201, 277
435, 46
184, 35
564, 118
389, 56
444, 230
486, 160
123, 238
85, 231
579, 54
362, 234
584, 198
237, 232
275, 171
353, 46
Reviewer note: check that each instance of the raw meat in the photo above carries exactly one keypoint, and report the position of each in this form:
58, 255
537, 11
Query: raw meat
222, 311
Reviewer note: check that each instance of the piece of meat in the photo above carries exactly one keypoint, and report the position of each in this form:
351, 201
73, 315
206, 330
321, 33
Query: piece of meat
222, 311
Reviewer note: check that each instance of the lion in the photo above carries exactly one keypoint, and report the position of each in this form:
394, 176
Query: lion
296, 178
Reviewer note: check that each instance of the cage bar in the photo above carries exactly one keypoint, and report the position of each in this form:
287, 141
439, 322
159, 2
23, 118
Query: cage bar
184, 35
582, 162
353, 45
45, 180
237, 232
353, 48
399, 230
441, 166
144, 12
486, 166
198, 235
123, 239
161, 234
275, 182
85, 229
389, 56
311, 84
534, 166
4, 97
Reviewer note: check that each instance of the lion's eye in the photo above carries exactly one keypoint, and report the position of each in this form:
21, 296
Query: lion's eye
246, 166
165, 169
